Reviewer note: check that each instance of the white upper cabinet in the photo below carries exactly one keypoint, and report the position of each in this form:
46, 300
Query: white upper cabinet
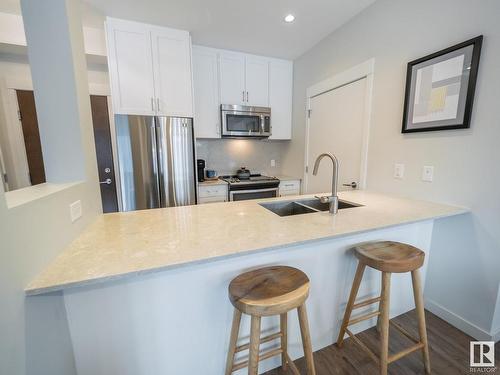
227, 77
149, 68
172, 72
257, 81
244, 79
206, 93
232, 78
280, 98
130, 67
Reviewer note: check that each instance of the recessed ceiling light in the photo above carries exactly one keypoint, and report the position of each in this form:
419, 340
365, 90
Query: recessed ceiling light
290, 18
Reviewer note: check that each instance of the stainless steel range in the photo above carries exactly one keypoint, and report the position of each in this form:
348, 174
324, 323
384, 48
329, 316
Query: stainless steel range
256, 186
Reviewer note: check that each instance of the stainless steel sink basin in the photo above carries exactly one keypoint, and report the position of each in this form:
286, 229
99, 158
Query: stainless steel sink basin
317, 205
302, 206
288, 208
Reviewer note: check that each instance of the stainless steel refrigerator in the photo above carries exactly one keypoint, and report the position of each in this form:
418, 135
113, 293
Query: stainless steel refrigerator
155, 161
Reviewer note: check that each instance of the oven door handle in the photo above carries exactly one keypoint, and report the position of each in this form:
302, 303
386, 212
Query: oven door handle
231, 193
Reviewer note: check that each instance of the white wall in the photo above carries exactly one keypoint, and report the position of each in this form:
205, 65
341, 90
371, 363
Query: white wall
464, 272
15, 68
34, 336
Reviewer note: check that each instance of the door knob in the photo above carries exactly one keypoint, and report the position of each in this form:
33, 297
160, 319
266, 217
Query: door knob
106, 181
353, 184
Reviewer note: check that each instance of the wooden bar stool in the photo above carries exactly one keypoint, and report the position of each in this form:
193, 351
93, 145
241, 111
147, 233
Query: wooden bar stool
264, 292
388, 257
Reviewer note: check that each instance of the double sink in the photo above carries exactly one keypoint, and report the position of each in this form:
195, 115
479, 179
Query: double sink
303, 206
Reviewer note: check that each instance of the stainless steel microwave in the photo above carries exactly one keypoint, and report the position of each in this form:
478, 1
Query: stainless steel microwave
245, 121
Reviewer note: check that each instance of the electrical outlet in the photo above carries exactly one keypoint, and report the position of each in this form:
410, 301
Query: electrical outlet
428, 173
75, 210
399, 171
273, 163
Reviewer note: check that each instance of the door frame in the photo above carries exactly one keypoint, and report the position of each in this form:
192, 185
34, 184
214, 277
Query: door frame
356, 73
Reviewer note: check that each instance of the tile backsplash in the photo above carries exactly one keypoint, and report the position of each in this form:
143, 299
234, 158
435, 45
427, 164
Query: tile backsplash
226, 156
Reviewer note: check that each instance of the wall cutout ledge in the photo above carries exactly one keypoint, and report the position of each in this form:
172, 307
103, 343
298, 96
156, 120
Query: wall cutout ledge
29, 194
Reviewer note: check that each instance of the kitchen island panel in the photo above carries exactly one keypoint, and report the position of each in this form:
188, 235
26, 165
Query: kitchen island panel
178, 321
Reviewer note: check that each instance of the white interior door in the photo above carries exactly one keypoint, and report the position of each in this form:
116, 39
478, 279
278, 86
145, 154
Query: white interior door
336, 125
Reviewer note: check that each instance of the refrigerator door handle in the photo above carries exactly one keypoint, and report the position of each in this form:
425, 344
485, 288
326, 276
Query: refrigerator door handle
156, 165
163, 159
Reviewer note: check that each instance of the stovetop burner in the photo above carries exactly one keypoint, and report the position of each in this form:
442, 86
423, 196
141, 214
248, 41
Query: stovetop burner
254, 179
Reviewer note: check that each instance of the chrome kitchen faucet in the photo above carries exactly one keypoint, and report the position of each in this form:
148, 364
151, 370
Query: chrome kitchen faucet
333, 199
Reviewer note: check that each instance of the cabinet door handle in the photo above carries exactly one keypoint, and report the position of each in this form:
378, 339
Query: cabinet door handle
247, 96
243, 95
158, 104
152, 104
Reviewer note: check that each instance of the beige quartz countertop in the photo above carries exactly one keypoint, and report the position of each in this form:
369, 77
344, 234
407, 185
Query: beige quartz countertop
212, 182
287, 178
126, 244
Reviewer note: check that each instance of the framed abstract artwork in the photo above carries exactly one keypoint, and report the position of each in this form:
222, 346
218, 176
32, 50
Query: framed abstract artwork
440, 88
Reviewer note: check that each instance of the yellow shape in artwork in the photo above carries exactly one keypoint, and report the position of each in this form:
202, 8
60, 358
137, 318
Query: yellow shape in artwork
438, 99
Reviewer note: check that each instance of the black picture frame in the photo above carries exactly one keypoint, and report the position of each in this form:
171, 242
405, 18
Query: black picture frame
409, 102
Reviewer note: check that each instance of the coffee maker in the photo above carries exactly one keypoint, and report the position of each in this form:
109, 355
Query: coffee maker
201, 169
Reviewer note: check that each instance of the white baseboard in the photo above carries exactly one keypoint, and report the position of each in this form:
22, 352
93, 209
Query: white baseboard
460, 323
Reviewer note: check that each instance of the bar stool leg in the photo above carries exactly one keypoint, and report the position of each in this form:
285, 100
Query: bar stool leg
253, 363
235, 329
384, 322
419, 304
284, 340
306, 339
352, 297
380, 306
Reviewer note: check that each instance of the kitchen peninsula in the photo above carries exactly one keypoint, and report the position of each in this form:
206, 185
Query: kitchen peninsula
140, 286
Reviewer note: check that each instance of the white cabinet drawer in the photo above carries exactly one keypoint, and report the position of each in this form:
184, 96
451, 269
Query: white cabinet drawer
215, 199
211, 191
290, 185
284, 193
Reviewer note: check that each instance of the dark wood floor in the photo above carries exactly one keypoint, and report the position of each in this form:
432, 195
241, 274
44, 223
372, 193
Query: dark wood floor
449, 352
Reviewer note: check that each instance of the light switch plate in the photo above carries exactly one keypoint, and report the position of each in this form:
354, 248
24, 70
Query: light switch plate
75, 210
273, 163
399, 171
428, 173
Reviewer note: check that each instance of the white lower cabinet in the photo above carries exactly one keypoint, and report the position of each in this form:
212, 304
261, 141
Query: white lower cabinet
289, 187
212, 193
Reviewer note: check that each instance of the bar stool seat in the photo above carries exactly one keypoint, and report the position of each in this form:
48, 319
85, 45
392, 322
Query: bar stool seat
388, 257
264, 292
269, 291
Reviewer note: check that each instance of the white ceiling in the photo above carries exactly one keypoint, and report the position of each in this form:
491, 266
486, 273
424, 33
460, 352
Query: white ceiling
254, 26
